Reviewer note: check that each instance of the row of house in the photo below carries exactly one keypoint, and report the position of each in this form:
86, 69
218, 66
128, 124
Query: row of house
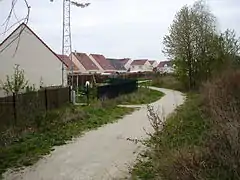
42, 66
97, 63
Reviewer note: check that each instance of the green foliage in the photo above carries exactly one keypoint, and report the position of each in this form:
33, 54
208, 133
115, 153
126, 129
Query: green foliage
195, 46
199, 141
167, 81
16, 82
185, 129
142, 96
53, 129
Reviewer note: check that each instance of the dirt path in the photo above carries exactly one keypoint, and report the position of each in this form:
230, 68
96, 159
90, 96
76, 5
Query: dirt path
100, 154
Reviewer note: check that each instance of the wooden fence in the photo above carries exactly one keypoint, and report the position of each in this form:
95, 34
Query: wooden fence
18, 109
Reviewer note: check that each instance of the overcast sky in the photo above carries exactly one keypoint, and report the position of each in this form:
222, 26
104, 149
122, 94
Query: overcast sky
115, 28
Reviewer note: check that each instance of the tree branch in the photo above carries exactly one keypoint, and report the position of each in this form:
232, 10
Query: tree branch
19, 21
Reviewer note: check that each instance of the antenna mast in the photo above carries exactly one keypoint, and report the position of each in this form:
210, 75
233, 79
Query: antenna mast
66, 36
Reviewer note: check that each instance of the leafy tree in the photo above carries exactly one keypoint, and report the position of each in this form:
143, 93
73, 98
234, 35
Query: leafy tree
16, 82
189, 43
195, 46
230, 45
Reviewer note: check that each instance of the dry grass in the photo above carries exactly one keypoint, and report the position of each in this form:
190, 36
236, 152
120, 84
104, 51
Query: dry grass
201, 140
143, 95
223, 103
172, 141
24, 146
167, 81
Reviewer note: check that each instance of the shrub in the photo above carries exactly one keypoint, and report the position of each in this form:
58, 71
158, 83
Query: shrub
174, 149
222, 96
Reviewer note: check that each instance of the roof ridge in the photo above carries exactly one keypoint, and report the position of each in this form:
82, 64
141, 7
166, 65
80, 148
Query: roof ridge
26, 26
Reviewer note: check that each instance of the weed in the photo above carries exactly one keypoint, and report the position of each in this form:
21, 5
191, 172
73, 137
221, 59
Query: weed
142, 96
167, 81
201, 140
172, 139
57, 127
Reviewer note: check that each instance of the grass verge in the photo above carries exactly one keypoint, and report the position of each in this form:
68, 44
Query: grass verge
182, 133
165, 81
55, 128
142, 96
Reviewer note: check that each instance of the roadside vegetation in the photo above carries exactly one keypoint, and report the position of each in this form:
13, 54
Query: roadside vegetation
201, 139
54, 128
183, 130
23, 146
144, 95
168, 81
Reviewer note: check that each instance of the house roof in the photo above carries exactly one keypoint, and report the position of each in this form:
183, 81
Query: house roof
163, 63
85, 60
152, 61
117, 64
124, 61
139, 62
101, 60
66, 60
23, 26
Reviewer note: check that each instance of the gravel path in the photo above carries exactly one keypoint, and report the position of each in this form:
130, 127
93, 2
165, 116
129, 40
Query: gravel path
100, 154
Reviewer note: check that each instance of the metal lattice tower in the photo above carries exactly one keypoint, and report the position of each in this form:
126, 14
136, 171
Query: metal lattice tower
66, 36
66, 39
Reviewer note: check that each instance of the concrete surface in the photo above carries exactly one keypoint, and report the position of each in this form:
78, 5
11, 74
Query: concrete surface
100, 154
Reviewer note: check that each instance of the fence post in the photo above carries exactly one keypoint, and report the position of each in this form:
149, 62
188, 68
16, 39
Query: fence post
14, 108
46, 99
69, 93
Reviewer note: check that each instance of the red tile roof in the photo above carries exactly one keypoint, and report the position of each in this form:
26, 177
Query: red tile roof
162, 63
139, 62
85, 60
101, 60
66, 60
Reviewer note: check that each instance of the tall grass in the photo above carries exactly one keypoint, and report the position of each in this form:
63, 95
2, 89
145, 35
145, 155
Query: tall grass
167, 81
201, 140
143, 95
24, 146
172, 141
222, 97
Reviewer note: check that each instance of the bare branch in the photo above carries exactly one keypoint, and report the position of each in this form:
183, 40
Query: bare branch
22, 20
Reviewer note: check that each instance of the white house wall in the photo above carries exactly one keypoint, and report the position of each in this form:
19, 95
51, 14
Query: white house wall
155, 64
166, 69
38, 62
141, 68
128, 64
147, 66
